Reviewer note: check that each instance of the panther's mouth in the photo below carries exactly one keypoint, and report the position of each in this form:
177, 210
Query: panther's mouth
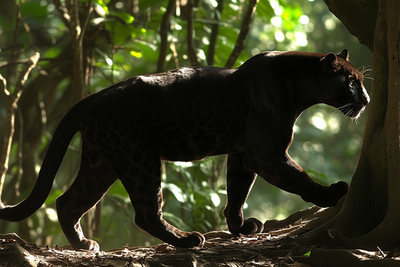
352, 110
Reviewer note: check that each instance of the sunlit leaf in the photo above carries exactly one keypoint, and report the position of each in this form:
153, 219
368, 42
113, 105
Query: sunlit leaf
97, 21
136, 54
178, 193
107, 59
100, 8
101, 5
215, 199
201, 54
127, 18
51, 214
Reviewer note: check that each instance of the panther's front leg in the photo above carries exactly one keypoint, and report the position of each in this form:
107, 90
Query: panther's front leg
285, 174
267, 143
239, 183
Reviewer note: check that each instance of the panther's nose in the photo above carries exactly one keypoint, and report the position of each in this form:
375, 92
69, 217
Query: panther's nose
365, 97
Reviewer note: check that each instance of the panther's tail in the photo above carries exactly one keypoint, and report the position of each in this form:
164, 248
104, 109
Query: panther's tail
67, 128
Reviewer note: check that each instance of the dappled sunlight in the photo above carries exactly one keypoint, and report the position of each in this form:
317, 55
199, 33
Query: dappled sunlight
312, 146
183, 163
318, 121
301, 38
325, 122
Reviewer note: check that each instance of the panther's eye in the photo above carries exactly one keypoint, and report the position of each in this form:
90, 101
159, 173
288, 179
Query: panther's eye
351, 80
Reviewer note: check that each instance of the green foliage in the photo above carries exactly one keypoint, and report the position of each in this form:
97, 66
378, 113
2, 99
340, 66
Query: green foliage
121, 42
191, 189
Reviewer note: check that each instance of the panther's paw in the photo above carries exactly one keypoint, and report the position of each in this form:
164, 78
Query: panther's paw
192, 239
258, 226
250, 226
86, 244
332, 194
198, 239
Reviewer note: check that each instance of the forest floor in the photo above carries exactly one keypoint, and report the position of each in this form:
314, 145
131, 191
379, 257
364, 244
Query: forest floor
220, 249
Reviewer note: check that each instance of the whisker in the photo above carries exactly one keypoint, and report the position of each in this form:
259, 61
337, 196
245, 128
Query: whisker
337, 115
337, 118
362, 70
367, 70
349, 111
368, 76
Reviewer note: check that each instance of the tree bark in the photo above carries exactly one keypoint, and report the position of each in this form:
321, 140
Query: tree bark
244, 30
358, 16
78, 30
370, 214
164, 28
214, 33
190, 34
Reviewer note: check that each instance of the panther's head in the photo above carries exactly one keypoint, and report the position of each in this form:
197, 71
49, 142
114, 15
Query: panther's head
344, 83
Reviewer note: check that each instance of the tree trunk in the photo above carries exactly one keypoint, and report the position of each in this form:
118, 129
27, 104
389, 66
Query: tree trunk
370, 214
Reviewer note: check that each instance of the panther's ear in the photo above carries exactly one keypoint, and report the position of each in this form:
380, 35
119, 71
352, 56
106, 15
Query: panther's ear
329, 63
344, 54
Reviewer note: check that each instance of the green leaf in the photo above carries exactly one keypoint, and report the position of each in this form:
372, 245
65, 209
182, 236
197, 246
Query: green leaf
127, 18
264, 9
178, 193
118, 189
136, 54
97, 21
53, 196
101, 8
147, 44
308, 254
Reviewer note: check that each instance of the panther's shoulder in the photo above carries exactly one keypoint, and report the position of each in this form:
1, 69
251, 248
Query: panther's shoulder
180, 75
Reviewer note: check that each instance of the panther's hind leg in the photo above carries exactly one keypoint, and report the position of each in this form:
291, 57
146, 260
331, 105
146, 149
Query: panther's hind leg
94, 179
144, 188
239, 183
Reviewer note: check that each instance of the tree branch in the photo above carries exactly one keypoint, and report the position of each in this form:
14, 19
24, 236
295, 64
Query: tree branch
175, 54
244, 30
214, 33
20, 152
190, 32
25, 60
86, 22
64, 13
164, 28
10, 119
14, 38
77, 34
358, 16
